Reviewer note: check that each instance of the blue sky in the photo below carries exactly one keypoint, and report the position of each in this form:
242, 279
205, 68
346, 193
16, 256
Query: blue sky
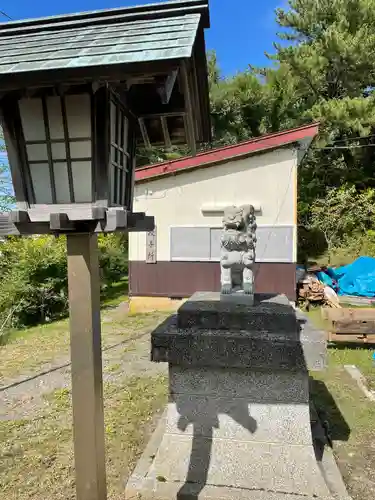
241, 30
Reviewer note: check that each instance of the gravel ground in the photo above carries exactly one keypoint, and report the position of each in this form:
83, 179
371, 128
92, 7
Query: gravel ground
22, 397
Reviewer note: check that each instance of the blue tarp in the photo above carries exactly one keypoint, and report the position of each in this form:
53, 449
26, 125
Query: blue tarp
357, 278
325, 278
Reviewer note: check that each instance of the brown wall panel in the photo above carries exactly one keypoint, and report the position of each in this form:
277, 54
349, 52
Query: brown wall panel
182, 279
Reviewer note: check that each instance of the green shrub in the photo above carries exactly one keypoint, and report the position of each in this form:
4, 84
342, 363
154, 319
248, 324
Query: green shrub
113, 257
342, 214
33, 279
311, 244
349, 248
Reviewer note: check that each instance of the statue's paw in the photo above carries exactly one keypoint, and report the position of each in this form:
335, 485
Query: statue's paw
248, 288
226, 289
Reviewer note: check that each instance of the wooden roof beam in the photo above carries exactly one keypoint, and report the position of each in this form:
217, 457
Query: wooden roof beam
167, 137
144, 133
165, 89
189, 119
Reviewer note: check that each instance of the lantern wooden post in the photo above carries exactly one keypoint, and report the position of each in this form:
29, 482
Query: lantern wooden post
86, 357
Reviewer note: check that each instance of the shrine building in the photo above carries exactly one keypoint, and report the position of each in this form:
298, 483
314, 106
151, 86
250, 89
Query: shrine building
187, 197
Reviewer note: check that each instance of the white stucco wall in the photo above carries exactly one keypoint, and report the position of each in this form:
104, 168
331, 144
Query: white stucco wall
266, 180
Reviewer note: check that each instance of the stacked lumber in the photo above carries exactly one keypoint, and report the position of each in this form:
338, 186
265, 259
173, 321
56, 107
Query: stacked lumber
310, 289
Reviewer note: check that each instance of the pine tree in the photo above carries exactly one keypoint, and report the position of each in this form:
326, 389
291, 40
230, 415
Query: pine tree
328, 50
332, 58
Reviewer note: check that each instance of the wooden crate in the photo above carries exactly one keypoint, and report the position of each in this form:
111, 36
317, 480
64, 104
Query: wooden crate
352, 338
351, 325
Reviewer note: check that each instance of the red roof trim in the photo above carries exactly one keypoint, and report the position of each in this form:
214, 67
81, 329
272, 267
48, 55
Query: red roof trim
222, 154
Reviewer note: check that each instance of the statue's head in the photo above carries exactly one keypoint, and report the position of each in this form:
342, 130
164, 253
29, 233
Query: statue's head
238, 217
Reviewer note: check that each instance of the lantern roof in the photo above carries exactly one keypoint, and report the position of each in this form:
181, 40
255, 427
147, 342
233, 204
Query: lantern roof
146, 33
154, 54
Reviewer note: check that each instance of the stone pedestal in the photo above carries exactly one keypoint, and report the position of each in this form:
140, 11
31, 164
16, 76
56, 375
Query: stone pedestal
237, 425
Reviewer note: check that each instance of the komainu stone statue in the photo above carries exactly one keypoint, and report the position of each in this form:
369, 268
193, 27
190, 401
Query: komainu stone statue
238, 250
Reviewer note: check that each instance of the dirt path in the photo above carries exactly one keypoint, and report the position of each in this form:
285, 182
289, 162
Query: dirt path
23, 396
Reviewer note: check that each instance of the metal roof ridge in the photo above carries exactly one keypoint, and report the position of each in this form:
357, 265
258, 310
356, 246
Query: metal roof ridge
227, 147
149, 10
99, 21
255, 145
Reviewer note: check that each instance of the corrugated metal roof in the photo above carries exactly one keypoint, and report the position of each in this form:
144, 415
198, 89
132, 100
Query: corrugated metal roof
119, 36
234, 151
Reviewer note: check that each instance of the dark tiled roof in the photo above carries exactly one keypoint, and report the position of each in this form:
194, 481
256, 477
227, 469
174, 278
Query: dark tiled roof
116, 36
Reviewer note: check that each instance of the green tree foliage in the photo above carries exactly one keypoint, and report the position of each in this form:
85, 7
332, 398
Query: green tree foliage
332, 60
328, 52
237, 107
342, 213
254, 102
156, 155
33, 276
324, 71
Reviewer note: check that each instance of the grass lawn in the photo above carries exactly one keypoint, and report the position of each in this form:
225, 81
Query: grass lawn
36, 452
355, 354
36, 455
27, 350
113, 295
350, 414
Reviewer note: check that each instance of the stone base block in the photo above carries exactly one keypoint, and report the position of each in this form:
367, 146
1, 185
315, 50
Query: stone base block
240, 405
148, 483
168, 491
242, 465
269, 336
238, 311
233, 434
222, 418
255, 386
238, 297
250, 439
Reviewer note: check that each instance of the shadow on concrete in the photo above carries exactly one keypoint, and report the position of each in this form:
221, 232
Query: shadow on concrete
204, 423
329, 424
328, 412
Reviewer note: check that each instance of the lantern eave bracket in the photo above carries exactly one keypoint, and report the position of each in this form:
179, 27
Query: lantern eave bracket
116, 220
